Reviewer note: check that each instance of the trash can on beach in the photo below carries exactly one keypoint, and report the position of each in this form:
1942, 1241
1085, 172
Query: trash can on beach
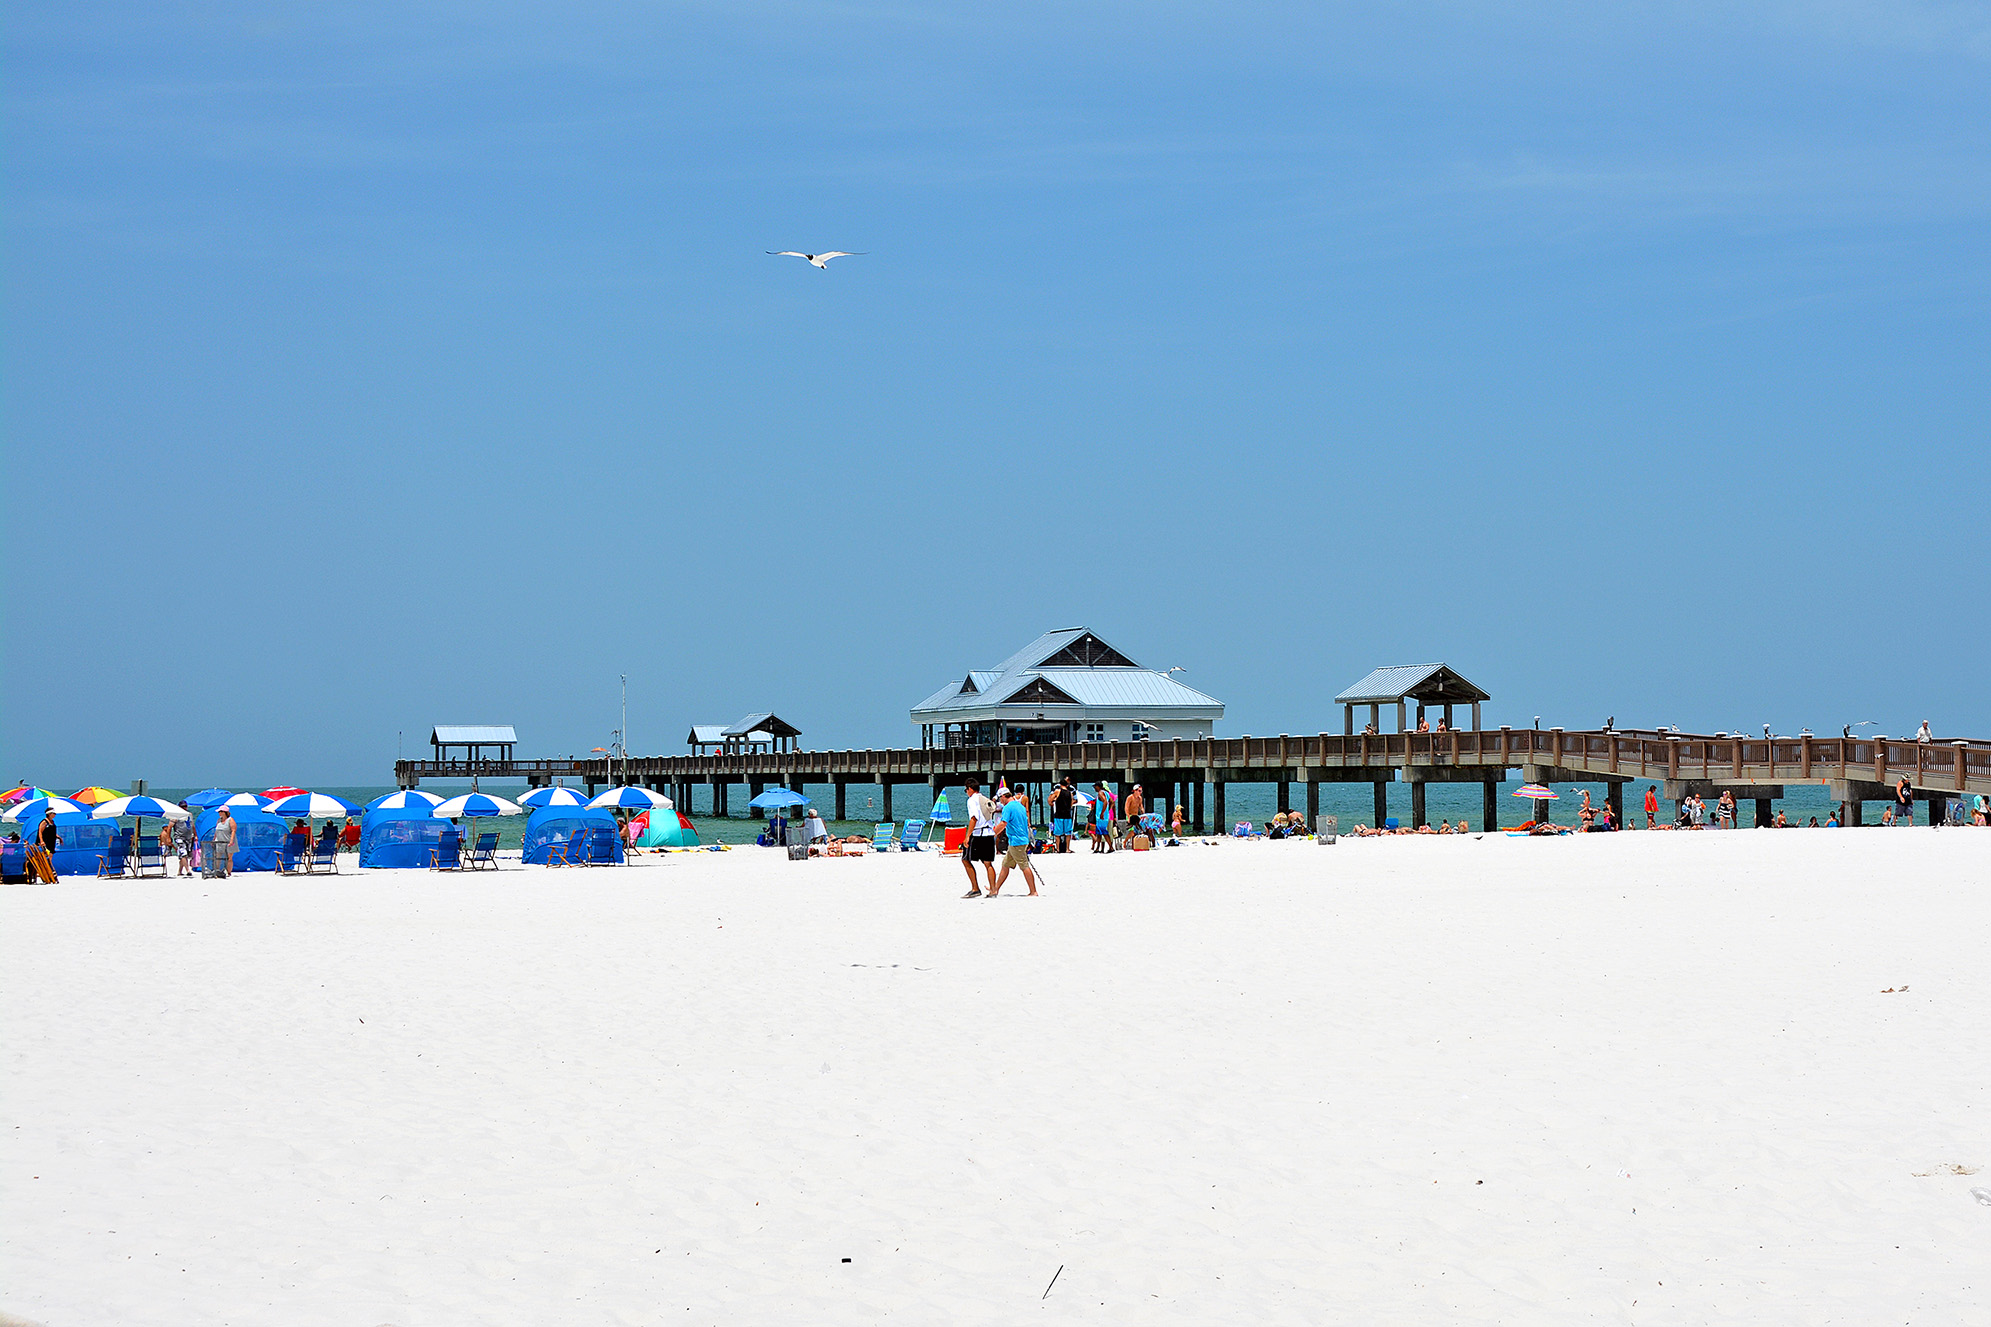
1325, 827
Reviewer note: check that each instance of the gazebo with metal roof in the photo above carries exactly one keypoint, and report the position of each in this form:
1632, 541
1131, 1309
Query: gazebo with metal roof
768, 731
475, 739
1401, 684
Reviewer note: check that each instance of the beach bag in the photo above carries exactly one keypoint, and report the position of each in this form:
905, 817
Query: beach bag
1140, 843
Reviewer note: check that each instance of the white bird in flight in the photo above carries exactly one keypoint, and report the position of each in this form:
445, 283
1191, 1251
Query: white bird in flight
815, 259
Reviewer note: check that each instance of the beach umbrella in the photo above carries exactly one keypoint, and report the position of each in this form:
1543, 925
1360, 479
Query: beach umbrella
1538, 794
312, 806
139, 806
539, 797
405, 798
25, 792
1081, 797
475, 805
256, 800
210, 797
777, 797
638, 799
93, 795
278, 794
31, 811
941, 811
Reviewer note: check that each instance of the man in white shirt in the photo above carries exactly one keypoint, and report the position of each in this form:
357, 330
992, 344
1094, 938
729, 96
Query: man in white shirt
980, 846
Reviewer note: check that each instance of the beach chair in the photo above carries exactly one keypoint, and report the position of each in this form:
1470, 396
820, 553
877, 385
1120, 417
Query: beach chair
881, 837
14, 863
909, 836
149, 859
600, 849
115, 864
324, 856
447, 855
290, 857
486, 852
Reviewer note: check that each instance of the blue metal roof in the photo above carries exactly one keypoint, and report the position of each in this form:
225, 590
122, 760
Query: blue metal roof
472, 735
1100, 687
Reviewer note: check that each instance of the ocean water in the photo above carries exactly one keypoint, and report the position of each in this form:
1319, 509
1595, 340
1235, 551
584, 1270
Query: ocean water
1252, 802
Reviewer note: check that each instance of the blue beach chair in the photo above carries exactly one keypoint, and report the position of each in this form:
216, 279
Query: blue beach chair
909, 836
881, 838
447, 855
486, 852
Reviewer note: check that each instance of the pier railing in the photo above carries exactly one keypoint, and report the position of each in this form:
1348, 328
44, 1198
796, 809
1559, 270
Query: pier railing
1938, 767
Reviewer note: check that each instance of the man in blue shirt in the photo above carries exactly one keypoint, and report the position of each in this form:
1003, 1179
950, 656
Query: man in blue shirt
1016, 828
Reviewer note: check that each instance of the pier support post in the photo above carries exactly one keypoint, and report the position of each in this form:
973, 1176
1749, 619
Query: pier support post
1285, 795
1313, 804
1853, 809
1382, 804
840, 800
1614, 797
884, 800
1939, 809
1489, 808
1763, 817
1217, 795
1417, 804
1196, 791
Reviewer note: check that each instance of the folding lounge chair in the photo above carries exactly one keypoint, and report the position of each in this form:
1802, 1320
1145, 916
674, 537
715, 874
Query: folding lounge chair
291, 858
909, 836
324, 856
601, 847
447, 855
150, 860
486, 853
881, 838
14, 863
115, 864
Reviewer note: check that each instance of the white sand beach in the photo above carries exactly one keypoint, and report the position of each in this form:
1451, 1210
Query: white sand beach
1635, 1078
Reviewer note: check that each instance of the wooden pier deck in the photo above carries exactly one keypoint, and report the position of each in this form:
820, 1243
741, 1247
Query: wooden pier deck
1854, 770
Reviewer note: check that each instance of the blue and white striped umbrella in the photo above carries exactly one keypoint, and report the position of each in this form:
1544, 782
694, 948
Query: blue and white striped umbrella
138, 806
31, 811
475, 804
539, 797
314, 806
210, 797
256, 800
629, 799
405, 798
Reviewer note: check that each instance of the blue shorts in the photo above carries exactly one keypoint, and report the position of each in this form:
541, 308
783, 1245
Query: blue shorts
1061, 827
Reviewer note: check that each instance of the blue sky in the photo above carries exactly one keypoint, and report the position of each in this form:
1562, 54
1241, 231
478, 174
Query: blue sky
421, 363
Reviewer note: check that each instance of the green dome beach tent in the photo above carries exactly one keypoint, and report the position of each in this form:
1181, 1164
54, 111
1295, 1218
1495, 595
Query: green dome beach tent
666, 828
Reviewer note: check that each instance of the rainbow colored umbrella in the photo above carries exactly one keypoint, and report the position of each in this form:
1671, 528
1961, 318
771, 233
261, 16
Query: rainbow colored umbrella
93, 795
26, 792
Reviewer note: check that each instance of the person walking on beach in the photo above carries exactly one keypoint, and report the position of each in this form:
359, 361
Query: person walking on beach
189, 843
1102, 819
980, 846
1016, 823
1725, 810
224, 843
1904, 803
1651, 806
1136, 803
41, 857
1061, 814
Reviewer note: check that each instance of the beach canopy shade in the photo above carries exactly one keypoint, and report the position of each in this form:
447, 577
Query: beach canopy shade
94, 795
140, 806
666, 829
86, 843
31, 811
210, 797
551, 825
400, 836
314, 806
475, 804
407, 797
778, 797
1537, 792
539, 797
629, 799
258, 836
25, 792
252, 801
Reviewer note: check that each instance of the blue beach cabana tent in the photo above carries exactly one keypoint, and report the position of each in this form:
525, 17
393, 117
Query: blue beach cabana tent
668, 829
258, 837
557, 824
399, 835
86, 842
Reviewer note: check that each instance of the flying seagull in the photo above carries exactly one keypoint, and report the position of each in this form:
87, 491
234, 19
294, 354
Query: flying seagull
815, 259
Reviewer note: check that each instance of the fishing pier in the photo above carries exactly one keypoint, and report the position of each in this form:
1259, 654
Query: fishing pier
1183, 771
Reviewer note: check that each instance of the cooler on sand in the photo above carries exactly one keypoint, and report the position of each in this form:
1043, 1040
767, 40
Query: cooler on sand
955, 839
